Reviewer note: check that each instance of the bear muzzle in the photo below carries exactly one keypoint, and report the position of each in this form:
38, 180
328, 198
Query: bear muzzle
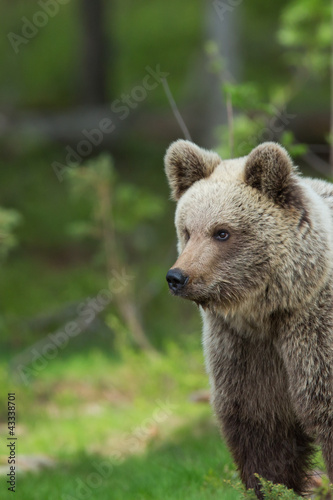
177, 280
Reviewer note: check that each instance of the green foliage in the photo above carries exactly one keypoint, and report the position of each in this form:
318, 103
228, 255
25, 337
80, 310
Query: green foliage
133, 205
9, 220
276, 491
287, 140
117, 209
84, 180
306, 31
130, 205
251, 120
271, 491
247, 97
250, 115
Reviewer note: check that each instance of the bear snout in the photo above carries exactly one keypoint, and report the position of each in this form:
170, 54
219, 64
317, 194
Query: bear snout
176, 279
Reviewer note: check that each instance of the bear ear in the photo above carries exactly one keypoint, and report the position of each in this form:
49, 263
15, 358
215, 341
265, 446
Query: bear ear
269, 169
186, 163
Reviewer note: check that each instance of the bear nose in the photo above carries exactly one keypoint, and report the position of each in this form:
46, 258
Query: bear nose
176, 279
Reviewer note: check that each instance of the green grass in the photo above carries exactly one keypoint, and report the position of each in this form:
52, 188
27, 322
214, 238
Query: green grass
132, 414
189, 466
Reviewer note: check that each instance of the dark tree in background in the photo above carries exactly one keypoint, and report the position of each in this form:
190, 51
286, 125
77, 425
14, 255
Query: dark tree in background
94, 53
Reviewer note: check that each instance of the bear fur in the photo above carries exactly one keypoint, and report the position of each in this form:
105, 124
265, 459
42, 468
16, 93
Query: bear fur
255, 242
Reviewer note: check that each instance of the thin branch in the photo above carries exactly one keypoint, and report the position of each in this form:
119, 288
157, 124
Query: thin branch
175, 110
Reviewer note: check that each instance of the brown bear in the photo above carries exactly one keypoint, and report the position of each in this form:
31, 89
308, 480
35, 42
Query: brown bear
255, 242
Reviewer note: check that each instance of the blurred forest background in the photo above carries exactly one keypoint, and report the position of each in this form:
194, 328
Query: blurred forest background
106, 366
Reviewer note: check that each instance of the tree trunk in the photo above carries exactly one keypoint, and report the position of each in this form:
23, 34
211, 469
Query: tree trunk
94, 52
221, 27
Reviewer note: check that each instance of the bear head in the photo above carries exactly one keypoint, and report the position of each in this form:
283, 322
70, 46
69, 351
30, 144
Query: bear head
248, 229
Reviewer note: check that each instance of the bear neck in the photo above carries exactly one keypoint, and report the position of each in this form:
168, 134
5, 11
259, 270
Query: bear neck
262, 314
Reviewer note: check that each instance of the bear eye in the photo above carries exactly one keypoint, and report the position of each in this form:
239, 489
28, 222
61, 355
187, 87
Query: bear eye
221, 235
186, 235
